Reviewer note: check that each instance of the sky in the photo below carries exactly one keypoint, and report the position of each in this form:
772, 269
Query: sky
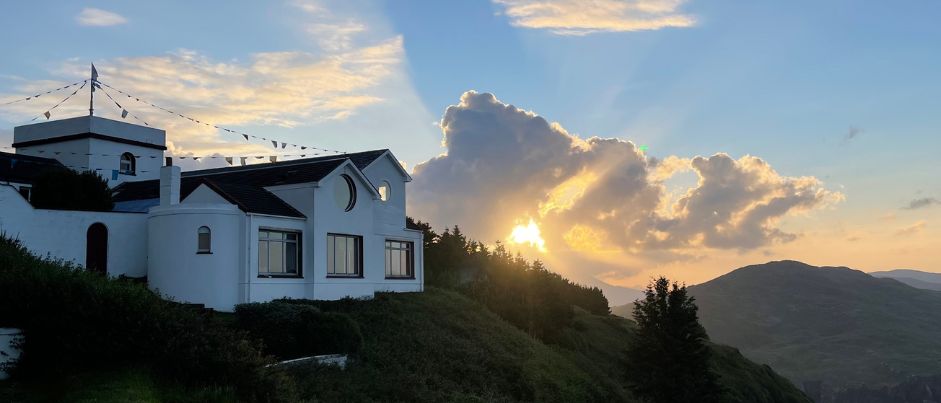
638, 138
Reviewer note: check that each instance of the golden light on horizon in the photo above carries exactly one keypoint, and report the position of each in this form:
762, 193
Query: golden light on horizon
528, 234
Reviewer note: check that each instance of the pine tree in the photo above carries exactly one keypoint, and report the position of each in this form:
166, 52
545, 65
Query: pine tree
670, 362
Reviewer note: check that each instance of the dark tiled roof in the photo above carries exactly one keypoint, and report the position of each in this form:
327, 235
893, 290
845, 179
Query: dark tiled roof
21, 168
244, 186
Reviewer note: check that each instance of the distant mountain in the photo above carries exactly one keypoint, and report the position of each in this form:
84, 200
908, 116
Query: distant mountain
830, 324
914, 278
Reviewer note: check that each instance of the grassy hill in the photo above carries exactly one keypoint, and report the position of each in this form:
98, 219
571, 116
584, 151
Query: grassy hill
832, 324
126, 344
442, 346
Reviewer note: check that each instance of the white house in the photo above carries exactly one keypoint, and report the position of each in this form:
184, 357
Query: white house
318, 228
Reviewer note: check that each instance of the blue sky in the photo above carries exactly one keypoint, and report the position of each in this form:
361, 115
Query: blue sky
785, 81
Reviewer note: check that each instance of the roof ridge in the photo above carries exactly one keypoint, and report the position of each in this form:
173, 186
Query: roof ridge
269, 165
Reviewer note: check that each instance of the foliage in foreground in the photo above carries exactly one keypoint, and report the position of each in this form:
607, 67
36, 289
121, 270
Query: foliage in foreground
76, 321
65, 189
669, 360
292, 330
525, 294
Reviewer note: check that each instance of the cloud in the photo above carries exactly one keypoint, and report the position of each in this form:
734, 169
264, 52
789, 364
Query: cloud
852, 133
912, 229
286, 89
505, 165
331, 32
94, 17
577, 17
921, 203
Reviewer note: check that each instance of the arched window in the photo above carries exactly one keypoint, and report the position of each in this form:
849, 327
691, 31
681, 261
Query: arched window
385, 191
204, 240
128, 164
344, 192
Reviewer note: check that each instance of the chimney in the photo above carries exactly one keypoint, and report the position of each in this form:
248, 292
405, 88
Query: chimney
169, 185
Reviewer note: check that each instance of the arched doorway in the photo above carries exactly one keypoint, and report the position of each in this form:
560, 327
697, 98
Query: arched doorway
96, 248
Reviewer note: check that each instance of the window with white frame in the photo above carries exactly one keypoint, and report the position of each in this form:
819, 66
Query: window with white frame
279, 253
128, 163
400, 259
203, 240
344, 255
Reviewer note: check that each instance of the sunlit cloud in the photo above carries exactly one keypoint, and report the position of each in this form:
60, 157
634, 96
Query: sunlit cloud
94, 17
600, 199
577, 17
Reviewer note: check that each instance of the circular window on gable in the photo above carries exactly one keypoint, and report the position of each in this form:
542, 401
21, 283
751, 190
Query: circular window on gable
344, 192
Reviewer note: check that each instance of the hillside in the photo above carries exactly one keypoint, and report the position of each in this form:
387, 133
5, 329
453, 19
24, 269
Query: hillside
832, 324
442, 346
914, 278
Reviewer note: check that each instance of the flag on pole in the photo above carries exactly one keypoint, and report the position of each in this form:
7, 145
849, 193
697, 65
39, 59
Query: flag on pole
94, 72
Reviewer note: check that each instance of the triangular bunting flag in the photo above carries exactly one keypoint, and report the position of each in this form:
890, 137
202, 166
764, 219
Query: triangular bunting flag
243, 160
273, 158
47, 114
228, 160
284, 145
260, 157
123, 113
303, 147
246, 137
274, 144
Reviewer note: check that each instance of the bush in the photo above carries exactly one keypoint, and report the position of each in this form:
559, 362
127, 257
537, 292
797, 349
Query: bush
290, 329
65, 189
74, 320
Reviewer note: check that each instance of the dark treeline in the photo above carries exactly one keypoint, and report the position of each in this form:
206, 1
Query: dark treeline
523, 293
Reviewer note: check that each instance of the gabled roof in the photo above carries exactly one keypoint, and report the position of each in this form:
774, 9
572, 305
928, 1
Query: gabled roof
19, 168
244, 186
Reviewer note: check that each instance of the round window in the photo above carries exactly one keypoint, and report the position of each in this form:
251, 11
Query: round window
344, 192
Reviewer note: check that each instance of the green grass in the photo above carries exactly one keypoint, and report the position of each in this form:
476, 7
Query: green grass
442, 346
127, 385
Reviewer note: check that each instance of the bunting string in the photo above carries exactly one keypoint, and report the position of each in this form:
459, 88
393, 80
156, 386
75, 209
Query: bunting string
246, 136
48, 112
42, 93
124, 111
228, 159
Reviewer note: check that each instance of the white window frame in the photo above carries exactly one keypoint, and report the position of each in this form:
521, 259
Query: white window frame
334, 260
282, 242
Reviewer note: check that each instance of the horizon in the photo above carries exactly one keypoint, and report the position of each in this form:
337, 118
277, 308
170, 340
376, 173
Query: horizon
688, 141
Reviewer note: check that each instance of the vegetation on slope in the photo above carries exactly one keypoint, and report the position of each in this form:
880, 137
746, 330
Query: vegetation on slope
829, 324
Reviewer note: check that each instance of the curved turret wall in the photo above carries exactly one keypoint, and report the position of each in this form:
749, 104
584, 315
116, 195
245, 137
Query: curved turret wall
178, 269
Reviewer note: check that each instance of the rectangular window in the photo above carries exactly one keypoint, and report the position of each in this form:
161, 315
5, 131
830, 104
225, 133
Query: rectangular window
279, 253
344, 255
400, 259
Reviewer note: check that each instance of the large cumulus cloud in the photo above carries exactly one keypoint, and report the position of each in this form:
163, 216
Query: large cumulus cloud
505, 165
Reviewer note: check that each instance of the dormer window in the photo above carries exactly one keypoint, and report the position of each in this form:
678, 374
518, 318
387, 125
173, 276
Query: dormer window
384, 191
128, 164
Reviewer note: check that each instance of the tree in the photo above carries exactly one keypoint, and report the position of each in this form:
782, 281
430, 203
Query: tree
670, 362
65, 189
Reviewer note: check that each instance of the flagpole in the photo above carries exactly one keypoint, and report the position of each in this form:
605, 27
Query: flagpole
91, 99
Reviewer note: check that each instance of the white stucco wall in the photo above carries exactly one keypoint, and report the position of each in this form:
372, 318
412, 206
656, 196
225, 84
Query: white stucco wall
62, 234
74, 153
176, 270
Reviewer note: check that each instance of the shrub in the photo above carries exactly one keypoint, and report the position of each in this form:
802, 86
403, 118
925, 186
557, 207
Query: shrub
74, 320
291, 330
65, 189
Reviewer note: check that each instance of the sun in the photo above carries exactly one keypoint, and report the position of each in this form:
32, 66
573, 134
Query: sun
528, 234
